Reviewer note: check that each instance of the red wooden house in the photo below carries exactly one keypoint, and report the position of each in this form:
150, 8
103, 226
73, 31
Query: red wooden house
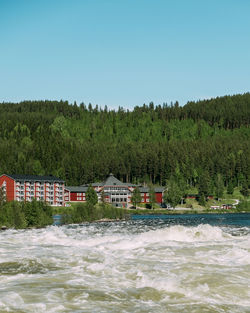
115, 192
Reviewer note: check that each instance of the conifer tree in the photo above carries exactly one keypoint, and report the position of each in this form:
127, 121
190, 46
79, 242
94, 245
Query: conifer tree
173, 194
204, 183
244, 189
91, 196
136, 197
230, 188
152, 199
219, 186
2, 196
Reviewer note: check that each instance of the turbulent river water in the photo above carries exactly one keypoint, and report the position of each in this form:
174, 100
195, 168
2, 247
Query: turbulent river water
188, 263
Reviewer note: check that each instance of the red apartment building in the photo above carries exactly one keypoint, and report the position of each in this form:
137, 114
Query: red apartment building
28, 187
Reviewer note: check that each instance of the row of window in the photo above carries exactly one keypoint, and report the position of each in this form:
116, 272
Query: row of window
38, 183
115, 189
39, 188
119, 199
38, 197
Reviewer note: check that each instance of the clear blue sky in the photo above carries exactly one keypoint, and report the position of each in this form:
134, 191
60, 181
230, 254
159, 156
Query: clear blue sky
123, 52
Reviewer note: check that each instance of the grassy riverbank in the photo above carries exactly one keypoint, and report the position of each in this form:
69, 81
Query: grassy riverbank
82, 212
21, 215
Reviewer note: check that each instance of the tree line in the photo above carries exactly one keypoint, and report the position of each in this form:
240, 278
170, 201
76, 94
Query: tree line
152, 143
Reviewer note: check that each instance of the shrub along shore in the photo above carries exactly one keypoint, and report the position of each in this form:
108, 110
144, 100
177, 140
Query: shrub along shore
35, 214
25, 214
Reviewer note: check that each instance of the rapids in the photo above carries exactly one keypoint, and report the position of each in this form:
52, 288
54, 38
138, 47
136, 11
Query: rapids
171, 265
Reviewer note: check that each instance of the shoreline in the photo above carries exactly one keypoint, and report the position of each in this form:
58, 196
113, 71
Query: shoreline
157, 213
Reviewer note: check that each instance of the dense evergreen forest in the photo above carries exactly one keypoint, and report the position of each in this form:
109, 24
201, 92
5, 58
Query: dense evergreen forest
81, 144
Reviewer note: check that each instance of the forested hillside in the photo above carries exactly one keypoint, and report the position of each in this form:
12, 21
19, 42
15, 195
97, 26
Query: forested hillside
82, 144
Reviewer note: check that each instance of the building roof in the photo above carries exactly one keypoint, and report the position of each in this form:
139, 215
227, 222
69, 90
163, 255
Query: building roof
130, 184
113, 181
156, 189
22, 177
110, 181
76, 188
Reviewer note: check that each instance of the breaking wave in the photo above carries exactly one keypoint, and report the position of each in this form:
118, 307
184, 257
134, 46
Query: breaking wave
137, 266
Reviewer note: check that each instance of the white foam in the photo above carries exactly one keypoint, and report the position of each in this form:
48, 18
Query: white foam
75, 265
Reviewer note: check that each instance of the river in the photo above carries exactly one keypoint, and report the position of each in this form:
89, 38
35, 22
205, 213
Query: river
198, 263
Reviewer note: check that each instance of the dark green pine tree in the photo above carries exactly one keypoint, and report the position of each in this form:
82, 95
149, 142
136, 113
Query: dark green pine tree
152, 199
219, 186
230, 188
204, 186
91, 196
244, 189
136, 197
2, 196
173, 194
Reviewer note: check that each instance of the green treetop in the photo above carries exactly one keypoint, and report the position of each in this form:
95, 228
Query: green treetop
219, 186
136, 197
91, 196
173, 194
152, 199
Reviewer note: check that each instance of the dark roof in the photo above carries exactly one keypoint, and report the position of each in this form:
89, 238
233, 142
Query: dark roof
113, 181
93, 184
97, 184
35, 178
130, 184
159, 189
76, 188
156, 189
110, 181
